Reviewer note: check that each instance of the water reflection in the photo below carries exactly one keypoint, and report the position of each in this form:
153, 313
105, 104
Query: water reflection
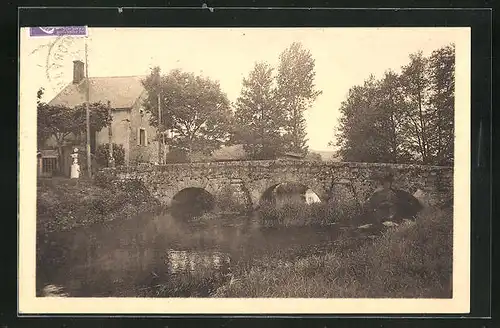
163, 255
184, 261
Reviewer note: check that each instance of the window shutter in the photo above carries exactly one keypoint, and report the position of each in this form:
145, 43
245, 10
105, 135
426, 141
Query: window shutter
145, 137
138, 136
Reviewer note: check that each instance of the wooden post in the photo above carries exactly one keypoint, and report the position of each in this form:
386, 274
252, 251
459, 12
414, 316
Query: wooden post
87, 112
111, 162
160, 161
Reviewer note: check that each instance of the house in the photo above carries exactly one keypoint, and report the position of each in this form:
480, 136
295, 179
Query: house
130, 123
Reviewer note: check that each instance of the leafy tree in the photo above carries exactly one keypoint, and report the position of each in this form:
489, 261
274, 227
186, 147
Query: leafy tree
194, 108
442, 102
406, 118
257, 118
389, 123
65, 124
295, 93
415, 81
43, 133
358, 136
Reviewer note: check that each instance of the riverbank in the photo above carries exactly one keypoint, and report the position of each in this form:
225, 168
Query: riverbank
412, 260
309, 251
64, 204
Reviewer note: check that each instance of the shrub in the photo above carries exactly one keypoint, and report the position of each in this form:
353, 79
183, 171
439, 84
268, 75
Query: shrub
102, 154
176, 156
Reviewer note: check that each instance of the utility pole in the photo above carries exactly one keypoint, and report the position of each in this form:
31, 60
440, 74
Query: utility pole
159, 128
87, 112
110, 134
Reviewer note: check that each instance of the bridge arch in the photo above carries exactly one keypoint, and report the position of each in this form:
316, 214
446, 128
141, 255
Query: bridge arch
192, 202
207, 185
264, 191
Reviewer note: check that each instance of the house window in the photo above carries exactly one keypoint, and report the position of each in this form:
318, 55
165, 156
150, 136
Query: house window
142, 138
49, 165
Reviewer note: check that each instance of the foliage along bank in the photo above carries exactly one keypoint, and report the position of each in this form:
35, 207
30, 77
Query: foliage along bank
64, 204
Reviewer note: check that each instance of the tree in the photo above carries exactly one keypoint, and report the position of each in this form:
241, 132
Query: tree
43, 133
406, 118
389, 122
415, 81
359, 134
442, 102
295, 93
257, 118
194, 108
67, 124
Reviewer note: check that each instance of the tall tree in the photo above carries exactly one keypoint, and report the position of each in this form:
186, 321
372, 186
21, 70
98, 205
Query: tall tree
415, 81
407, 118
295, 93
389, 122
194, 108
257, 118
442, 102
359, 131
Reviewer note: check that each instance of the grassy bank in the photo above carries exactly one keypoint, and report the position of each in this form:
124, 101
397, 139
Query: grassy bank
408, 261
64, 204
295, 213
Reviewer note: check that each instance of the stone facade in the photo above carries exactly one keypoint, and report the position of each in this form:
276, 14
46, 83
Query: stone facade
247, 181
120, 129
147, 153
125, 128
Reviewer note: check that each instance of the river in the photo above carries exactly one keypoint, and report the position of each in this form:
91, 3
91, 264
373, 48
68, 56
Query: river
157, 254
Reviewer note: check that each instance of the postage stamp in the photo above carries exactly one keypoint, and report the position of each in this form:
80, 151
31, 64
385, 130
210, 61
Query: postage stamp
58, 30
61, 45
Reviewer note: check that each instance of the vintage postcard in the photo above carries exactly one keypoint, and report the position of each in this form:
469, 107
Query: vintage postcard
244, 170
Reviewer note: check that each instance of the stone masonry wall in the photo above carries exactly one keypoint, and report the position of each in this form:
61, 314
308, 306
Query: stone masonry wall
336, 181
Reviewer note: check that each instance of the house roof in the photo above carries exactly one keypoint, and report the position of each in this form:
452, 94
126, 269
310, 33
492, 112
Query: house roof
293, 155
227, 153
121, 91
49, 153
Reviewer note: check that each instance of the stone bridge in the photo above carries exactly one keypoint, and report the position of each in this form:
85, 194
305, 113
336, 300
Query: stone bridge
244, 182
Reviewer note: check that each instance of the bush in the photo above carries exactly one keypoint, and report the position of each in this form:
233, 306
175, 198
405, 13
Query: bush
102, 154
176, 156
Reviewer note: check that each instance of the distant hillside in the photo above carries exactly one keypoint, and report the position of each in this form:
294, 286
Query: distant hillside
326, 155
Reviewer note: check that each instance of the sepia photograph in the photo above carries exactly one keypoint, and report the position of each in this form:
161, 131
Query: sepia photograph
285, 164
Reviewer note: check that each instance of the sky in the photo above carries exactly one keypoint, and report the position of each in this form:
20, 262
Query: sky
344, 57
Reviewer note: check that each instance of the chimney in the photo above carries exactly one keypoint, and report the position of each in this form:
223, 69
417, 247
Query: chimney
78, 71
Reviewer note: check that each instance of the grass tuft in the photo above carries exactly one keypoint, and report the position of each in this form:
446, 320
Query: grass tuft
300, 214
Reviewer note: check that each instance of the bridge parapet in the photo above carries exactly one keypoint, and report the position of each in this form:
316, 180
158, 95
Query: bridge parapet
330, 180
